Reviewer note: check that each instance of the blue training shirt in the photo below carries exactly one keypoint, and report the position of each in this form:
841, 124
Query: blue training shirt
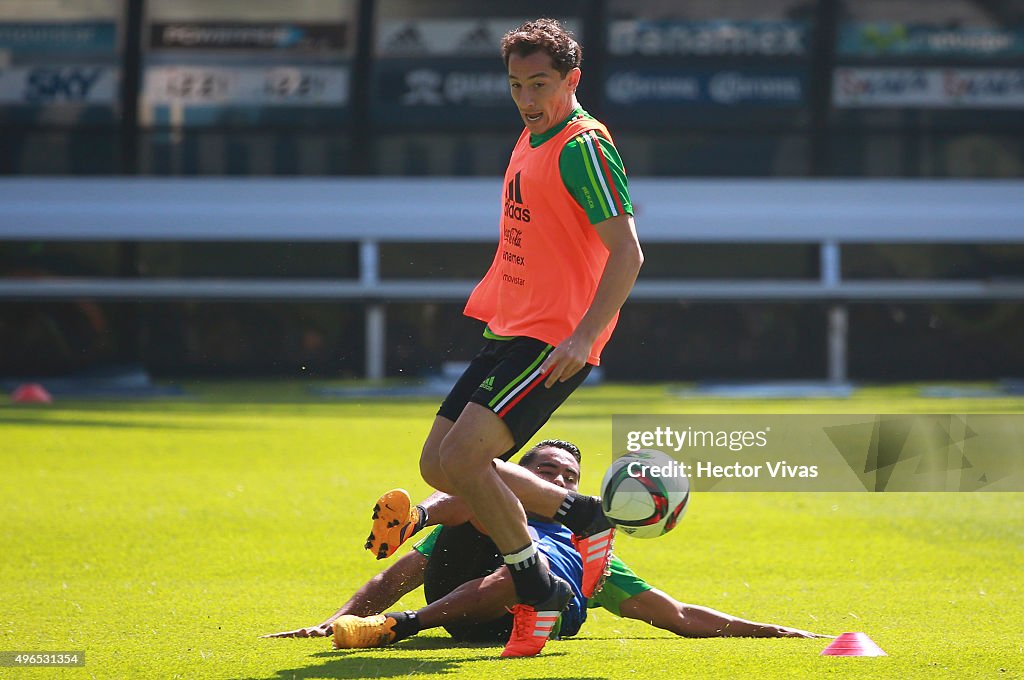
555, 541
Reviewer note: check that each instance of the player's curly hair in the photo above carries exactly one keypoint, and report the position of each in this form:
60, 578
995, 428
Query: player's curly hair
547, 35
568, 447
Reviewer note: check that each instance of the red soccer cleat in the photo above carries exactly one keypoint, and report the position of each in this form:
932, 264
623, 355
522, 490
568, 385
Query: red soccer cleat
596, 551
532, 624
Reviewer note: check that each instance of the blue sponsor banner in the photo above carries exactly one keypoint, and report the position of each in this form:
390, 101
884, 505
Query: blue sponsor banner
59, 38
715, 38
661, 88
455, 93
60, 72
60, 93
206, 36
928, 88
889, 39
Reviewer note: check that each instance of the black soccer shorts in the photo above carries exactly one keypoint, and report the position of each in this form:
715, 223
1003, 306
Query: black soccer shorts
505, 378
462, 554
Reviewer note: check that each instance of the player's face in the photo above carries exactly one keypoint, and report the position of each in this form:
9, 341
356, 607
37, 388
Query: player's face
556, 466
544, 98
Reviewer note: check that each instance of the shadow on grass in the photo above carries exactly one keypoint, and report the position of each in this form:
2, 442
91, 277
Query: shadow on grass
631, 637
127, 424
359, 663
222, 408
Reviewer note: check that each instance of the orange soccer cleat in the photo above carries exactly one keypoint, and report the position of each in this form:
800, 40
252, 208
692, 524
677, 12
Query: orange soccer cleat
357, 632
394, 522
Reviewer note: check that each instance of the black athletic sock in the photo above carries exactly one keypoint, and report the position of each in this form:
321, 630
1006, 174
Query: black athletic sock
530, 576
422, 521
406, 624
582, 515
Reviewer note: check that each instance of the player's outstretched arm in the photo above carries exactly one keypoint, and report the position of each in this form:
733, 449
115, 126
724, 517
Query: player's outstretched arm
663, 611
538, 496
375, 596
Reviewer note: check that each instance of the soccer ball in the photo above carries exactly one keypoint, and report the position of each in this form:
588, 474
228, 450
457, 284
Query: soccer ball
644, 493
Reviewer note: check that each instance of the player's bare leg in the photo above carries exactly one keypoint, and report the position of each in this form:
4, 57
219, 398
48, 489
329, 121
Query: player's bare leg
478, 601
467, 456
594, 535
467, 459
430, 456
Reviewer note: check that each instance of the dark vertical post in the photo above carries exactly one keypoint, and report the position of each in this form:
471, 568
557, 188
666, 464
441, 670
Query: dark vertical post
595, 31
594, 41
131, 78
374, 313
129, 326
823, 62
361, 131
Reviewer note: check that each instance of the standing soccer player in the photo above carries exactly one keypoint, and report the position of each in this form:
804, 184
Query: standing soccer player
567, 258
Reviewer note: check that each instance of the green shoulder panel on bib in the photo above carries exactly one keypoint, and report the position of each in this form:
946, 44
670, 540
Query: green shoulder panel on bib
593, 173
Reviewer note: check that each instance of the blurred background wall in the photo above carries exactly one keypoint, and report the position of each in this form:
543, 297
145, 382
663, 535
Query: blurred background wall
704, 88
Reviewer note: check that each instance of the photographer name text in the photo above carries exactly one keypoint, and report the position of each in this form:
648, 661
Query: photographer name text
708, 470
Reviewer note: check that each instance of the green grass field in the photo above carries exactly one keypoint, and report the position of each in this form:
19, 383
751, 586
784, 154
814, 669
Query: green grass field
164, 537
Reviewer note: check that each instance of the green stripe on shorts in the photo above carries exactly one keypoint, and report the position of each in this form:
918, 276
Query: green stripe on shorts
521, 376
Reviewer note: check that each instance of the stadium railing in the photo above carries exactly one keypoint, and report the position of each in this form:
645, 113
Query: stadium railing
374, 211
